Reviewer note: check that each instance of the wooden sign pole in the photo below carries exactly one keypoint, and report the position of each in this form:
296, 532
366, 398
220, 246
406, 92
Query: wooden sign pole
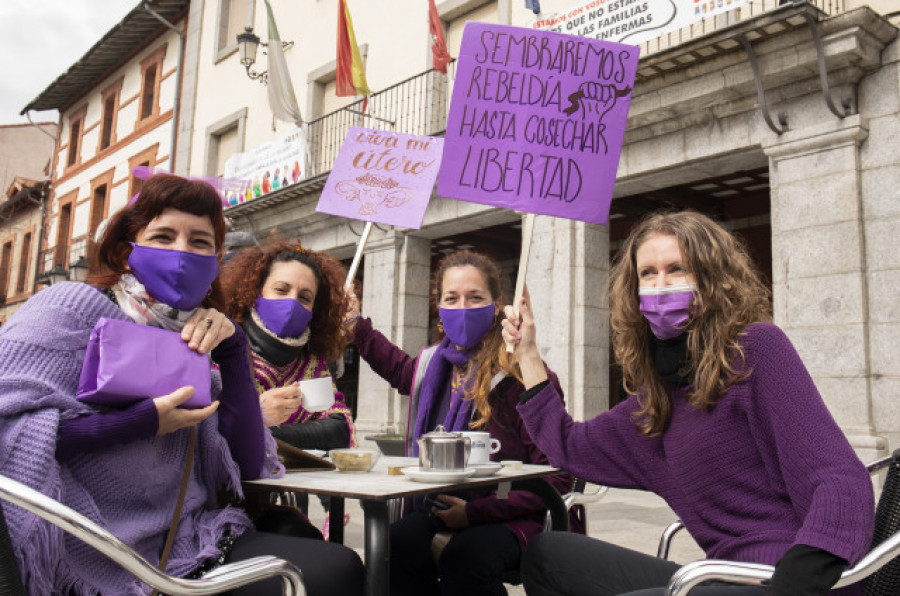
527, 230
351, 274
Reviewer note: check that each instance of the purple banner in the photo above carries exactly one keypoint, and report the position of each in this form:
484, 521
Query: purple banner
385, 177
536, 121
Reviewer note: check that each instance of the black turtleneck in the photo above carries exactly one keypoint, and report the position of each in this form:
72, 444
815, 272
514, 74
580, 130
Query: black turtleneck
268, 346
670, 359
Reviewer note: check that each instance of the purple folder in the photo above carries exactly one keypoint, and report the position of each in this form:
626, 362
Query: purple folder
127, 362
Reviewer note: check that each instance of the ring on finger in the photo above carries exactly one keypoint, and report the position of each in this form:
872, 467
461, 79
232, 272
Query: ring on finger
208, 322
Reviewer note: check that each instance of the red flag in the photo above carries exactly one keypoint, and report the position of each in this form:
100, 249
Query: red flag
350, 78
440, 57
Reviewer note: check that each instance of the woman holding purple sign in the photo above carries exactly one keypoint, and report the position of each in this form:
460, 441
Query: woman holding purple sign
129, 467
467, 381
722, 421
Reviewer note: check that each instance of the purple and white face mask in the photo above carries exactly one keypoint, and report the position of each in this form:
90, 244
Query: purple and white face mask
667, 309
178, 278
466, 326
285, 317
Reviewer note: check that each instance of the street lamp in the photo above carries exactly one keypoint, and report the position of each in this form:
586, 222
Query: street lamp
79, 269
56, 275
248, 43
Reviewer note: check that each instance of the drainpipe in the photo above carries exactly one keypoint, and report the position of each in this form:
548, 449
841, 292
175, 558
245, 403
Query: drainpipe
45, 196
176, 108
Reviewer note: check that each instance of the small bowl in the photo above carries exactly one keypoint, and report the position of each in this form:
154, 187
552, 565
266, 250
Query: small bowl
354, 459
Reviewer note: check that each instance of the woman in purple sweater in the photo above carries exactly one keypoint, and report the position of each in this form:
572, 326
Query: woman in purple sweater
156, 265
467, 381
722, 420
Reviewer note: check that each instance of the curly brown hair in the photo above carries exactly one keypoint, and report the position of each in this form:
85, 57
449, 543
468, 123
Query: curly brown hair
244, 275
491, 355
730, 297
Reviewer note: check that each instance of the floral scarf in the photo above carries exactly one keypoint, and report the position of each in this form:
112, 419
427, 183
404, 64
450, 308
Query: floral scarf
142, 308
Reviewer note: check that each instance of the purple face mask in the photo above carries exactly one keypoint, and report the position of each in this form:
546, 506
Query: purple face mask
285, 317
174, 277
466, 326
667, 309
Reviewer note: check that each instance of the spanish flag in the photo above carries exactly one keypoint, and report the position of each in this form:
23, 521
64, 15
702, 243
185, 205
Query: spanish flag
350, 78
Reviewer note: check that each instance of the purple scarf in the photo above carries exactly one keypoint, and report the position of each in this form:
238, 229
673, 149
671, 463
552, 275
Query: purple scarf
446, 360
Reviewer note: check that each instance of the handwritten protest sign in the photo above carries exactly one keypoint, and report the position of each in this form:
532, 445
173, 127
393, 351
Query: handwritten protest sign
383, 177
536, 121
631, 21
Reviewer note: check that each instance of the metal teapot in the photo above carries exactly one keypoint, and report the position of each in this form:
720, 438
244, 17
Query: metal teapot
443, 451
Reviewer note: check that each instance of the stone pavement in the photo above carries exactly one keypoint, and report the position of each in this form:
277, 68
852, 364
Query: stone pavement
629, 518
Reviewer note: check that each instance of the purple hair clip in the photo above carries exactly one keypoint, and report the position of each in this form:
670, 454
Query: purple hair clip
223, 186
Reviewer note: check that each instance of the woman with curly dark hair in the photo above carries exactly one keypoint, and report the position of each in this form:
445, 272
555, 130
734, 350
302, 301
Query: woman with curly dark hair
722, 420
291, 304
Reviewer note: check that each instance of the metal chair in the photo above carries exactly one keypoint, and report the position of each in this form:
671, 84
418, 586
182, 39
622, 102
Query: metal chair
226, 577
879, 569
582, 494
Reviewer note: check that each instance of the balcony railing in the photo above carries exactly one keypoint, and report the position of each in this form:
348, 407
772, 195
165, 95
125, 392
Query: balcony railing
417, 106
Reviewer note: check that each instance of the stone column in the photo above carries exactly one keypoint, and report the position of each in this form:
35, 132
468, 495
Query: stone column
395, 297
567, 272
819, 277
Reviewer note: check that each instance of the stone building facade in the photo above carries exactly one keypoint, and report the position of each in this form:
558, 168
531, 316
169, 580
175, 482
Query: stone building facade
816, 198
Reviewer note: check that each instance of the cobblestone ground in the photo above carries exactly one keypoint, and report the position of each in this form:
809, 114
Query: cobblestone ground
632, 519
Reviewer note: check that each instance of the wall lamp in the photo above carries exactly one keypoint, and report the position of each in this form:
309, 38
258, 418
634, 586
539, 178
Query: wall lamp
248, 43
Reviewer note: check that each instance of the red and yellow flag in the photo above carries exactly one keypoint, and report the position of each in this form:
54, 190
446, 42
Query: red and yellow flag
350, 78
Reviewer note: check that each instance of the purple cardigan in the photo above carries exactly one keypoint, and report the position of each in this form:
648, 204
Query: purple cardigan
522, 512
766, 468
129, 488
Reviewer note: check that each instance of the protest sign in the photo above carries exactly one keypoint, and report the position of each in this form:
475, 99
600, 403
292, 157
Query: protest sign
383, 177
536, 121
631, 21
269, 166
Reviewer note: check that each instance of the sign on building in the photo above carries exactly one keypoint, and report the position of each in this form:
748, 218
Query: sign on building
631, 21
268, 167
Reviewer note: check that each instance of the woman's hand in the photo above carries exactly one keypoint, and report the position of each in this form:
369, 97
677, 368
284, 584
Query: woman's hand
352, 315
206, 329
279, 403
455, 517
519, 330
172, 418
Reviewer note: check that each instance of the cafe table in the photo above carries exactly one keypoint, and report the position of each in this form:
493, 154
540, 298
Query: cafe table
378, 491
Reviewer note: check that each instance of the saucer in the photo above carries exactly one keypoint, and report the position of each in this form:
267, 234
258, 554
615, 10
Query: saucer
316, 452
488, 469
419, 475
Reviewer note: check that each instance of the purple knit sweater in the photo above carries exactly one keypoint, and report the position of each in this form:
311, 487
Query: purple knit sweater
522, 512
763, 470
129, 488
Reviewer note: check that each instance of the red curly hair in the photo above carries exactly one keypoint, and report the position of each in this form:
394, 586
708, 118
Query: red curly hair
244, 275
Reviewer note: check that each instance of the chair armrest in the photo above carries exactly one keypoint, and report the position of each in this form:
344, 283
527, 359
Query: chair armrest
224, 578
693, 574
874, 560
752, 574
665, 541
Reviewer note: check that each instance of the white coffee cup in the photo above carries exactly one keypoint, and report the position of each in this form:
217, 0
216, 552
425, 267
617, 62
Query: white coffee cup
482, 447
316, 394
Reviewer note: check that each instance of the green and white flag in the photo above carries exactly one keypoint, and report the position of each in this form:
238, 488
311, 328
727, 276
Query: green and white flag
281, 91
